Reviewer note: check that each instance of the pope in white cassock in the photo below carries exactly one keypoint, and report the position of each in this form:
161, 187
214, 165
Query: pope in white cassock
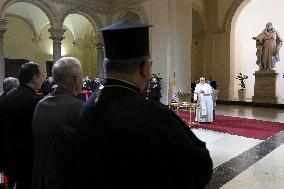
202, 94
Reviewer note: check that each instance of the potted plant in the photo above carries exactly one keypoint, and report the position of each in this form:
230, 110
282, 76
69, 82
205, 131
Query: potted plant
157, 76
242, 91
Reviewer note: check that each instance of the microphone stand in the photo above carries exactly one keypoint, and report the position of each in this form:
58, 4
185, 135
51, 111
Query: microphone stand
174, 99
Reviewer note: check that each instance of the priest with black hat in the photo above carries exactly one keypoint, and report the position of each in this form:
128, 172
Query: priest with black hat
126, 141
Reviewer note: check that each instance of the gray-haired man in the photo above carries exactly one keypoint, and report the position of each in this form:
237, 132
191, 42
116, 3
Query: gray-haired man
54, 123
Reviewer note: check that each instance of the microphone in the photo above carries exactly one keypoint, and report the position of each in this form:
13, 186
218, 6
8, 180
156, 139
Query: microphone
178, 93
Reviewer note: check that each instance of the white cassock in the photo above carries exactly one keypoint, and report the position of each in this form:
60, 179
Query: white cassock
204, 112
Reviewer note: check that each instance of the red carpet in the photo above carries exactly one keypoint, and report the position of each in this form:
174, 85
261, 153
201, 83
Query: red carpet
250, 128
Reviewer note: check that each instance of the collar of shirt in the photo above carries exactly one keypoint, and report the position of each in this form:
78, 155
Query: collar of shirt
114, 81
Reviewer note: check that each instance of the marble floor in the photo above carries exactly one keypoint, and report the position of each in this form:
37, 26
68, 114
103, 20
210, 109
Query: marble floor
245, 163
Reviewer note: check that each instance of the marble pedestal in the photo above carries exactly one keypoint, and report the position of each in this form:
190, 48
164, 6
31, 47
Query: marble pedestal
265, 87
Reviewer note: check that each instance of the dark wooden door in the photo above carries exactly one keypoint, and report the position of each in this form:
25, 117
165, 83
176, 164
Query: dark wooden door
12, 67
48, 67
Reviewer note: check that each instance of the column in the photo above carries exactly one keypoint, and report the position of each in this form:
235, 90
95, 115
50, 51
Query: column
100, 55
57, 35
2, 61
182, 40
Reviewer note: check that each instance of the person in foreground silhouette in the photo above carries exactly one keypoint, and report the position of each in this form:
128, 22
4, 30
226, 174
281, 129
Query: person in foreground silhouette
128, 141
19, 106
54, 123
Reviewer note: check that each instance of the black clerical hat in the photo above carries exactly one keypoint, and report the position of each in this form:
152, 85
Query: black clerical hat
125, 40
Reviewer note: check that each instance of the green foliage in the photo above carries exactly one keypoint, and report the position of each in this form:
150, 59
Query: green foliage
159, 79
242, 79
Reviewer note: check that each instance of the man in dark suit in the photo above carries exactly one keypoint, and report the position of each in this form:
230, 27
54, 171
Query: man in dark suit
19, 108
8, 84
127, 141
54, 124
47, 86
155, 90
193, 85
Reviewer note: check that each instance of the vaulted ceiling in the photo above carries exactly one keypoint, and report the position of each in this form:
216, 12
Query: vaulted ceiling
76, 23
38, 20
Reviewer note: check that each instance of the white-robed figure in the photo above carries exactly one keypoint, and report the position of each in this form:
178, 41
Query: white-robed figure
202, 94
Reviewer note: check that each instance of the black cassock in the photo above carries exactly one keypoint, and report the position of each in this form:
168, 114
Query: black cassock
127, 141
155, 89
19, 107
2, 110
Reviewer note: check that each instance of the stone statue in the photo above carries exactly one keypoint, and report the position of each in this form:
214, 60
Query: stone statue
268, 44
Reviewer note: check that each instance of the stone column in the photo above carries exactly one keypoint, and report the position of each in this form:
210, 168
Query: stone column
2, 61
100, 55
57, 35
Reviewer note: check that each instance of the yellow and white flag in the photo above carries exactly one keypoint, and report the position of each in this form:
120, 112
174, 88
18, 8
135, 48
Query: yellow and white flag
174, 84
174, 87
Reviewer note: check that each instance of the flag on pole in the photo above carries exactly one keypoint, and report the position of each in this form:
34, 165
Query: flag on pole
174, 83
174, 88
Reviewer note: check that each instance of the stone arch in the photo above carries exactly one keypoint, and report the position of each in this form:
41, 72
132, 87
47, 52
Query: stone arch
231, 12
47, 26
134, 11
237, 64
87, 13
97, 24
41, 5
29, 23
131, 16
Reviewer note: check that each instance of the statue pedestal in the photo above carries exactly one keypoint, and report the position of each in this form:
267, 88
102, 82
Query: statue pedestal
265, 87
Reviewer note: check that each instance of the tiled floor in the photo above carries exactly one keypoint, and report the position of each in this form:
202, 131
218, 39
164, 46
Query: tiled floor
241, 163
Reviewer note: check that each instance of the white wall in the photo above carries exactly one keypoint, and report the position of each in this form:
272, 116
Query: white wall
171, 42
251, 21
183, 37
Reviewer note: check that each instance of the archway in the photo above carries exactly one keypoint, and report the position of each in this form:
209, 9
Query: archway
80, 42
27, 44
131, 16
38, 4
248, 21
135, 13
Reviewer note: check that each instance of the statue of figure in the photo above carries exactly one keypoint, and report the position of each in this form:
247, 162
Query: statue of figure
268, 44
